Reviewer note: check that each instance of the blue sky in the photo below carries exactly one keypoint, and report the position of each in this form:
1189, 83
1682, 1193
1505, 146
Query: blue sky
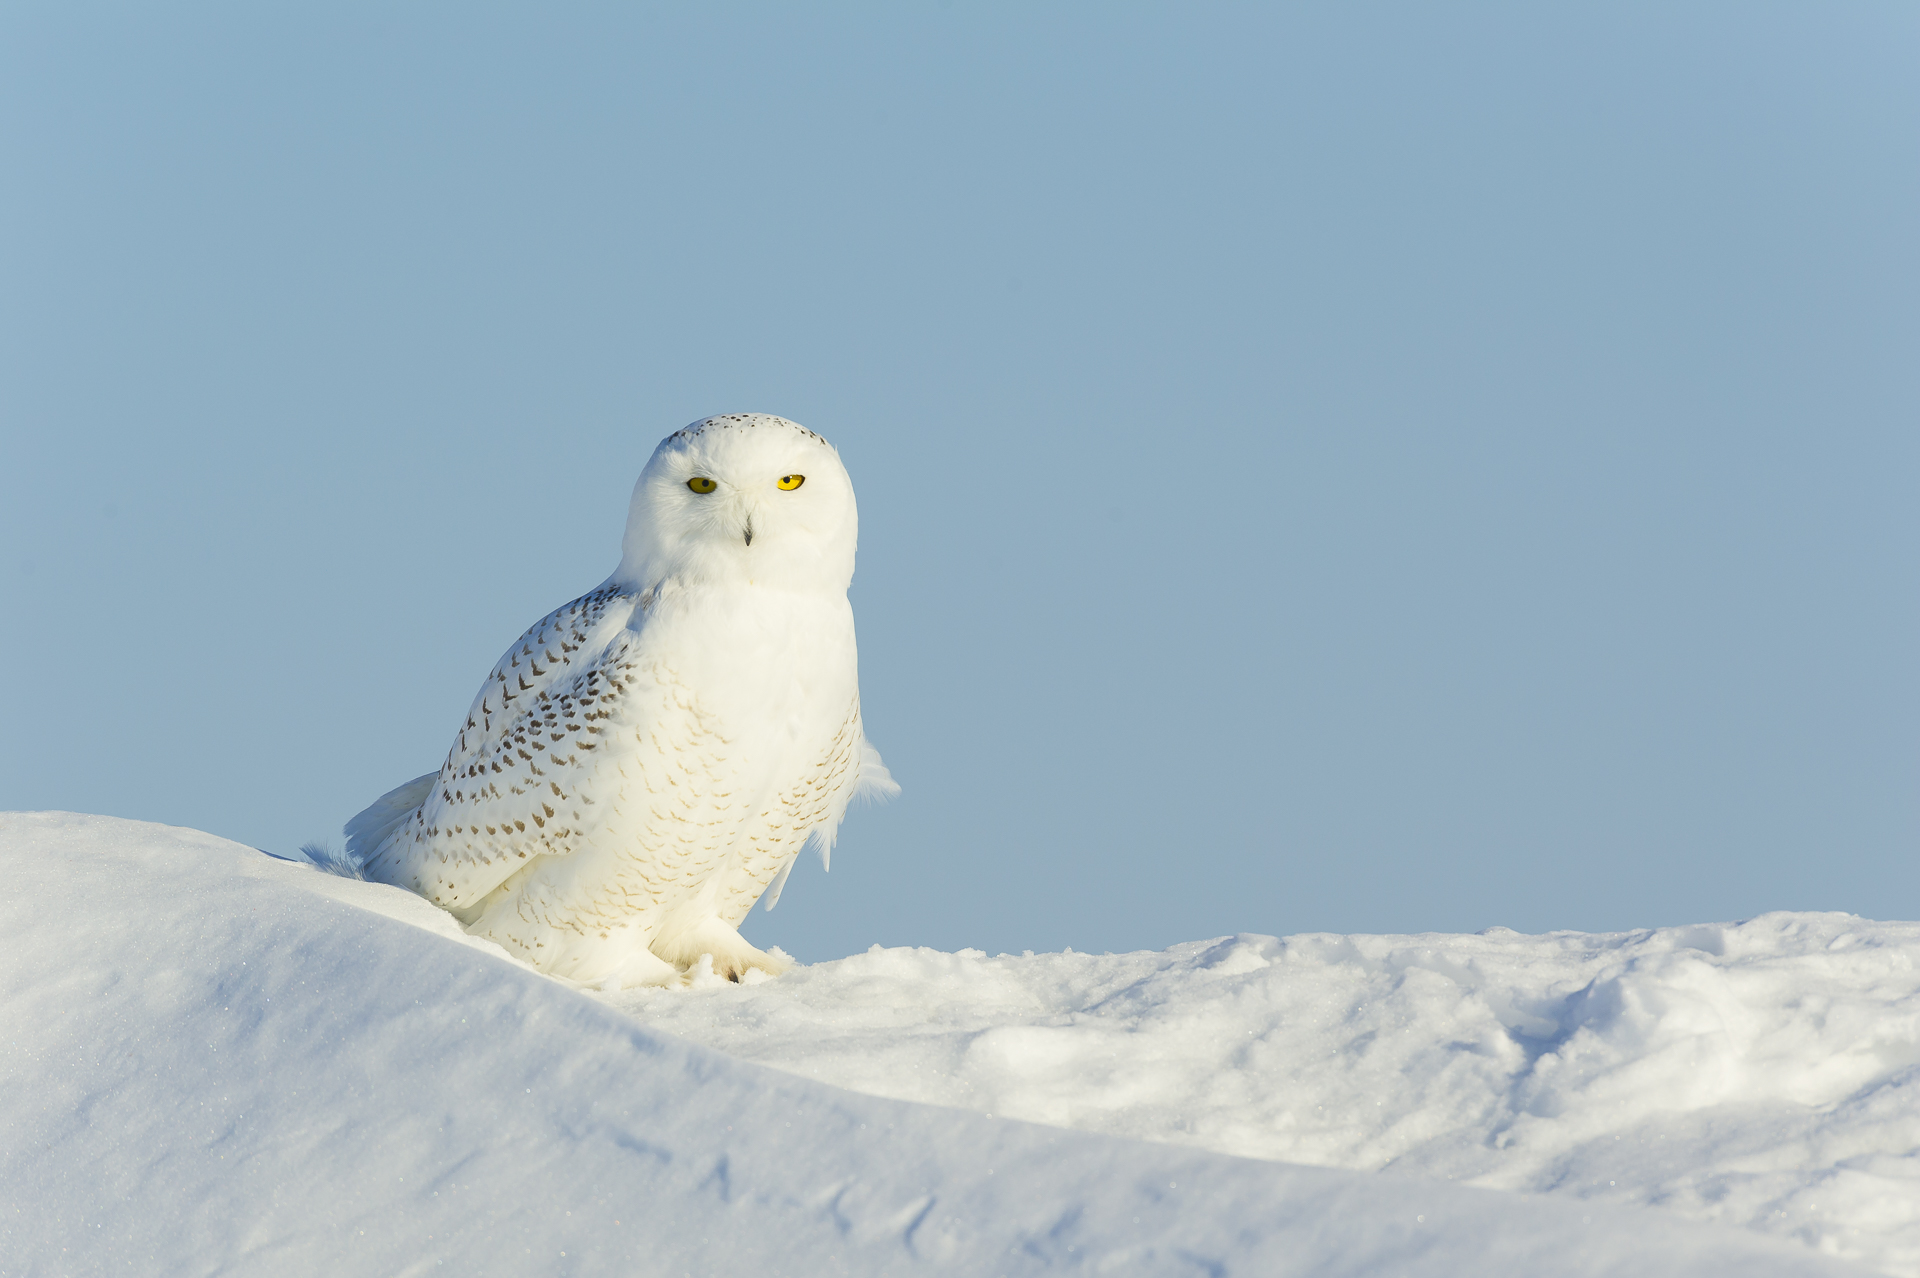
1339, 468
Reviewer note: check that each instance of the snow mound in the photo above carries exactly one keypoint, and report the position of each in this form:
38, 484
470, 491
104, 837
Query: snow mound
215, 1062
1761, 1074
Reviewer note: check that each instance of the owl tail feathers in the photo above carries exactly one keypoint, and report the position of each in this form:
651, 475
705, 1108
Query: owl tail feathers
366, 832
874, 782
779, 884
331, 860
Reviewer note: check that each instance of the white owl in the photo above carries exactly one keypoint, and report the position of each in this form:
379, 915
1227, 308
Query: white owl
644, 762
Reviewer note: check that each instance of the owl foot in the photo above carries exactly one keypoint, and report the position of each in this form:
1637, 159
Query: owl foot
733, 956
640, 967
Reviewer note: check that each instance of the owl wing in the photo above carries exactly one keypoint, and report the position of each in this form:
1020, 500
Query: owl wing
526, 745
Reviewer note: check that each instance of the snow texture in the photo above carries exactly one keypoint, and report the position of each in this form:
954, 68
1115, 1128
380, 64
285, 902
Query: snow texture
1761, 1074
217, 1062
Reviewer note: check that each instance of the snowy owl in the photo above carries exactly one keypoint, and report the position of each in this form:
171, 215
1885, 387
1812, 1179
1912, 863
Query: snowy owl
649, 759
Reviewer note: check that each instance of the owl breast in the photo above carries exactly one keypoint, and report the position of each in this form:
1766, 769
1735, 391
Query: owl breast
732, 733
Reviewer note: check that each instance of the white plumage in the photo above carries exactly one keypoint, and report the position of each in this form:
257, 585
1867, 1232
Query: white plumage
647, 760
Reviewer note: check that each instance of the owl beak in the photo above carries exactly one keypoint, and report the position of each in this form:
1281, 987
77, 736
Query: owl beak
749, 530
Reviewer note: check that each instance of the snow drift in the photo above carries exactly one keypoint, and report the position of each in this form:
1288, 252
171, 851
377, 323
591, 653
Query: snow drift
216, 1062
1762, 1074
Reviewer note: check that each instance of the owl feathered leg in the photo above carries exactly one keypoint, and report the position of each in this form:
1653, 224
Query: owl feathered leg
733, 955
642, 967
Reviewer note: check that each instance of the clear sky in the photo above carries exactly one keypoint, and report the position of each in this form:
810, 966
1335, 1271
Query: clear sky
1358, 467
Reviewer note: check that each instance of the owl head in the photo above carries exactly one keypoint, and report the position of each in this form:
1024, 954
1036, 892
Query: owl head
744, 498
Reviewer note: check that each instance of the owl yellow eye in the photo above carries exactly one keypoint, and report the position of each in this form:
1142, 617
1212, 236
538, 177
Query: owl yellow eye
790, 482
701, 484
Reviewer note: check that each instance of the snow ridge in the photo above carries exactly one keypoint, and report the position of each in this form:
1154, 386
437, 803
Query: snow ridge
212, 1061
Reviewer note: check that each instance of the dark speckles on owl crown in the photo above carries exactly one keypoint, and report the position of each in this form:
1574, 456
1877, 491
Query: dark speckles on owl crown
728, 421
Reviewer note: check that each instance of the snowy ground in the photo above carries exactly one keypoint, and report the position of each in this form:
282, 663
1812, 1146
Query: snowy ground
1761, 1075
214, 1062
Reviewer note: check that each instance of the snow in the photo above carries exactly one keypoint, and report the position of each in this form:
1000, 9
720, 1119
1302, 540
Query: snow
213, 1061
1760, 1074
